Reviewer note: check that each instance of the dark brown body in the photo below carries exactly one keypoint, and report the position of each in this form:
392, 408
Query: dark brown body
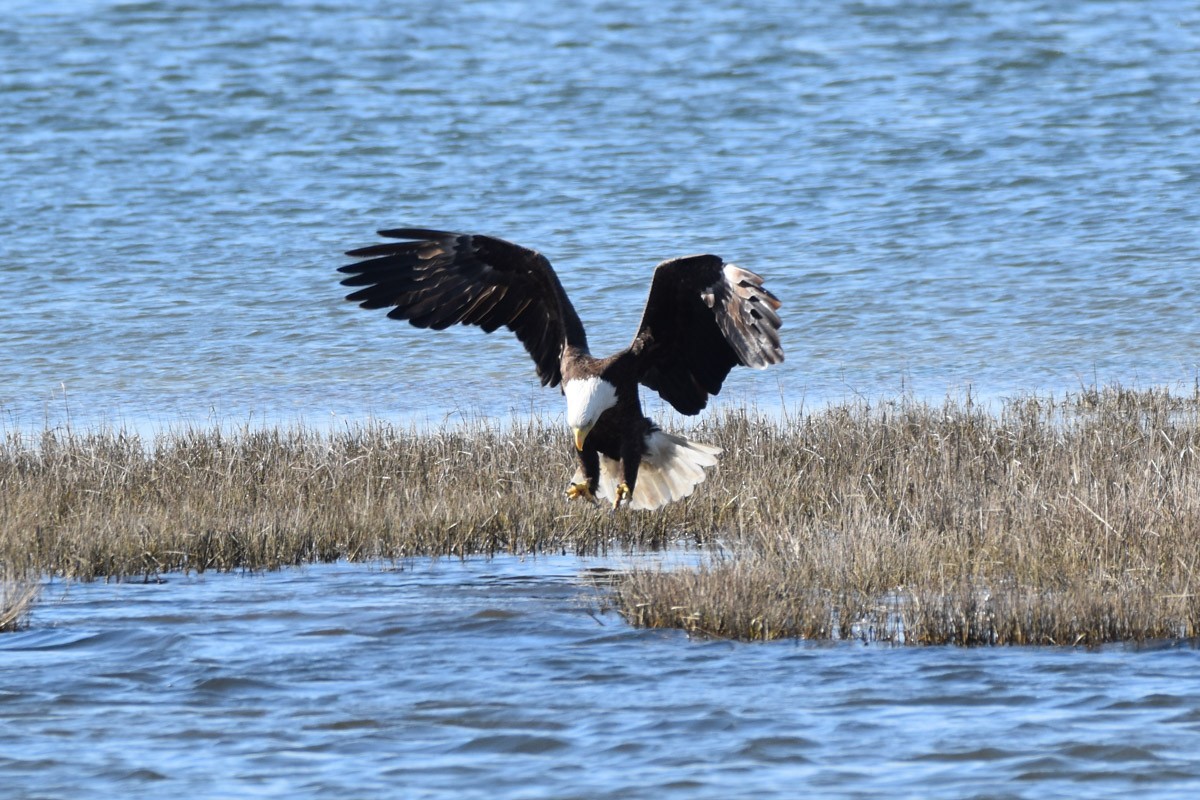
620, 432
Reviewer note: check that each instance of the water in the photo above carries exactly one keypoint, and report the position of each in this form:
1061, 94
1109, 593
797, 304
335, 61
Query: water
1002, 196
504, 678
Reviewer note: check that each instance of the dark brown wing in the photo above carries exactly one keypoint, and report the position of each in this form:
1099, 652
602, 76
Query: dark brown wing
438, 279
703, 318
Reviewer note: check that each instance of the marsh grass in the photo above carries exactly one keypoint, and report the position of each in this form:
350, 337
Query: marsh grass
17, 596
115, 505
1043, 521
1074, 521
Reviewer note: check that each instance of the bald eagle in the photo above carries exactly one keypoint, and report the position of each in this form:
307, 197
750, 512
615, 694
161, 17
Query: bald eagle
703, 317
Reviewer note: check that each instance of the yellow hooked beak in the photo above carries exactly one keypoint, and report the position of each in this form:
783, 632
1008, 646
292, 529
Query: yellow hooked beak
580, 435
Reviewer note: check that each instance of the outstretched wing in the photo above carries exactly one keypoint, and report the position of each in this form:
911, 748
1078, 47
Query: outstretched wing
703, 318
436, 279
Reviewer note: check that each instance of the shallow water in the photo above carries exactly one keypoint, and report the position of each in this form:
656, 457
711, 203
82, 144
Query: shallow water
504, 678
1000, 195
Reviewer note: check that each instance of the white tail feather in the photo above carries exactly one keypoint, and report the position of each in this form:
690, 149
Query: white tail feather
670, 470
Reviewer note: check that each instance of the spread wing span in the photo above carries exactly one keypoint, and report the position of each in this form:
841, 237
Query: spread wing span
435, 279
704, 317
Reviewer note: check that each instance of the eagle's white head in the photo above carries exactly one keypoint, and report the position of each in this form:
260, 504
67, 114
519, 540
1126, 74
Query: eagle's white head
587, 399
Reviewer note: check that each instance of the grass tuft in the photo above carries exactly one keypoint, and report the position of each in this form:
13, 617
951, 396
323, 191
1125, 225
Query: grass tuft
18, 593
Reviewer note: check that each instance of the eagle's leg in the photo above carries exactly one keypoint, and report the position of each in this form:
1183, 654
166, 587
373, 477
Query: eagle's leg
631, 459
587, 476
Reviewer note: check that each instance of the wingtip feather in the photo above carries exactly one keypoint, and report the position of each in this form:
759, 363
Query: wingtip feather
415, 234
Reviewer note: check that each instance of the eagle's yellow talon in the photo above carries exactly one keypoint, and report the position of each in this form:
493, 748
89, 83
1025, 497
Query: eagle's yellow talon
623, 492
576, 490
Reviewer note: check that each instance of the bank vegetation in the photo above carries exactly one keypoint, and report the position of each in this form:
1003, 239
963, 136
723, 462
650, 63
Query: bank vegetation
1069, 520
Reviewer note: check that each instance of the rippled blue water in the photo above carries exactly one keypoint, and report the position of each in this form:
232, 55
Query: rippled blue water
1001, 195
502, 678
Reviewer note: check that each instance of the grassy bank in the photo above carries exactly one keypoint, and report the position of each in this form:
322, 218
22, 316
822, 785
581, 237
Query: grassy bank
111, 504
1065, 521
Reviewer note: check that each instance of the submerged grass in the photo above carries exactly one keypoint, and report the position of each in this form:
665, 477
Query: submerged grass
17, 596
1045, 521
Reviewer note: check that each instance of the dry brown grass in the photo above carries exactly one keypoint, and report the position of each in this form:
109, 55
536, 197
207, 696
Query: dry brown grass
112, 504
1068, 522
1063, 521
17, 596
